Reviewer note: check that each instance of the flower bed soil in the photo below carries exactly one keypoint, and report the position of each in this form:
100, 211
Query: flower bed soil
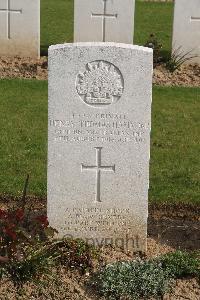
37, 69
170, 228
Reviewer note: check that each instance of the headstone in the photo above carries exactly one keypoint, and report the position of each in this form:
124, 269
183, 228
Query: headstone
186, 30
20, 28
99, 142
104, 21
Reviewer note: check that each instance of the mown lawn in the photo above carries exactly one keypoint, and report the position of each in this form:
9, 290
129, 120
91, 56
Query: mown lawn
57, 18
175, 159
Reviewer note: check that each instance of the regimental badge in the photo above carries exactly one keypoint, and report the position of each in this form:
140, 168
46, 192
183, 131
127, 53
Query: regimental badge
100, 84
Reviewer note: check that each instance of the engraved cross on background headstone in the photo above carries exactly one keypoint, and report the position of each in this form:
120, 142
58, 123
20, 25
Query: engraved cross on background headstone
104, 15
98, 168
8, 10
195, 18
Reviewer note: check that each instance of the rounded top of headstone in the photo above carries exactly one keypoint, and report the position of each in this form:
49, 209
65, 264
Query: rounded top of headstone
101, 44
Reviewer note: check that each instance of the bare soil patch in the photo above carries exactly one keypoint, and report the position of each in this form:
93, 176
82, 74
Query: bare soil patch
37, 69
170, 227
26, 68
185, 76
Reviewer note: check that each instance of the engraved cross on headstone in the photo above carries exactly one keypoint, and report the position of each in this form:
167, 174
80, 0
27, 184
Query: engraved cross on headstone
104, 15
98, 168
8, 10
195, 18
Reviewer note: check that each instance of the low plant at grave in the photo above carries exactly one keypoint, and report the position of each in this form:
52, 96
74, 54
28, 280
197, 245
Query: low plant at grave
178, 58
19, 228
24, 250
38, 260
27, 249
140, 278
76, 254
181, 264
154, 44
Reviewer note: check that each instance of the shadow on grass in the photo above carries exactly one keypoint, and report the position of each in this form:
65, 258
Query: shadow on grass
44, 50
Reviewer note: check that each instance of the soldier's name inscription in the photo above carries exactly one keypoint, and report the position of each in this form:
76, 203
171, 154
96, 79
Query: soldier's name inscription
98, 128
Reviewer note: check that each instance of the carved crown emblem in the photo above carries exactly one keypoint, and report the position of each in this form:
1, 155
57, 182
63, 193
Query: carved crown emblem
100, 84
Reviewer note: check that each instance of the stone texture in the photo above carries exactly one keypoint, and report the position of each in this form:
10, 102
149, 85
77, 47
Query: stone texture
116, 26
20, 28
186, 29
99, 142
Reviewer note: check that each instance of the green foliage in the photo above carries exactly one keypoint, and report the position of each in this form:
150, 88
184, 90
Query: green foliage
38, 260
154, 44
76, 254
2, 272
22, 235
177, 59
181, 264
151, 278
132, 280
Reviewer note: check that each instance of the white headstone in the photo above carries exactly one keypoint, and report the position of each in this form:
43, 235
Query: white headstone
186, 30
99, 142
20, 28
104, 21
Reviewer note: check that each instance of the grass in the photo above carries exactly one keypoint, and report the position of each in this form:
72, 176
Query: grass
23, 141
156, 18
57, 22
175, 160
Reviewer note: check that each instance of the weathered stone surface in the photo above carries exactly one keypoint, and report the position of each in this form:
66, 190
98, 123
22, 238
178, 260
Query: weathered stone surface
99, 142
186, 29
20, 28
104, 21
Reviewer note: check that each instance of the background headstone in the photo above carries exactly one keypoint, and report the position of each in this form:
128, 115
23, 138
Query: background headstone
20, 28
186, 29
99, 142
104, 21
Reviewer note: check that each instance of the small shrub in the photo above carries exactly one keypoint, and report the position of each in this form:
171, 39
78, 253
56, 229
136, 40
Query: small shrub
76, 254
27, 249
154, 44
2, 272
132, 280
177, 59
18, 228
151, 278
38, 261
181, 264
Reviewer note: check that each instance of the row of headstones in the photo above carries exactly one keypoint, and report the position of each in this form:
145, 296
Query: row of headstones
95, 20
